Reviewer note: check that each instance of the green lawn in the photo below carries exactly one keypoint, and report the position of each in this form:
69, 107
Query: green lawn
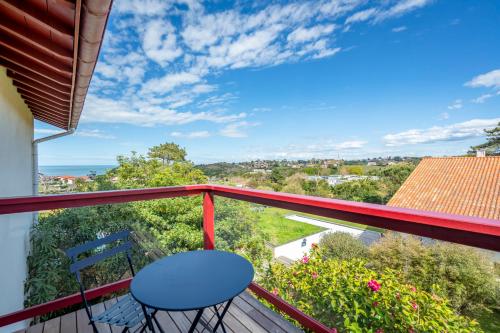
347, 224
282, 230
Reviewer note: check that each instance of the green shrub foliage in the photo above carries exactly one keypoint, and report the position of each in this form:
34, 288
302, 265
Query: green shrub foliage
343, 246
463, 274
349, 297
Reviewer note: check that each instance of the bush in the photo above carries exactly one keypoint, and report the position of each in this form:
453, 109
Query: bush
343, 246
349, 297
464, 275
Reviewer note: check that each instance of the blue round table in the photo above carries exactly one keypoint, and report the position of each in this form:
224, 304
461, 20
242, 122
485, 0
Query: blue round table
193, 280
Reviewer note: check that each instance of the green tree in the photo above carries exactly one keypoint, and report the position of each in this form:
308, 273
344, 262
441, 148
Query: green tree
161, 227
392, 177
364, 190
167, 153
492, 144
294, 184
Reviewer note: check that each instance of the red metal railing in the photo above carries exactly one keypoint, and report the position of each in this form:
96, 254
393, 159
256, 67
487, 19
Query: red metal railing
478, 232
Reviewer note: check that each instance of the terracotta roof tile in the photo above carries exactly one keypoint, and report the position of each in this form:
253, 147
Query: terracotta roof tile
457, 185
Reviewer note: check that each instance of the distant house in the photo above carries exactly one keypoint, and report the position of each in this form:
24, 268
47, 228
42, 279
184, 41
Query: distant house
68, 180
456, 185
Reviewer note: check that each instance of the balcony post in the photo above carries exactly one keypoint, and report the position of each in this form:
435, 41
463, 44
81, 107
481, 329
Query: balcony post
208, 221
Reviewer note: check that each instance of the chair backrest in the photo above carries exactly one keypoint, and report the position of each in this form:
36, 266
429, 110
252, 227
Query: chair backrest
77, 265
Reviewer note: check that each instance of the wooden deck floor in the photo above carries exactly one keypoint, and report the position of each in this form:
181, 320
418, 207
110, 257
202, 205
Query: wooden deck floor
245, 315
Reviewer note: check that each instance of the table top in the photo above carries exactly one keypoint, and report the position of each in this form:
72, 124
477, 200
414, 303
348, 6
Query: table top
192, 280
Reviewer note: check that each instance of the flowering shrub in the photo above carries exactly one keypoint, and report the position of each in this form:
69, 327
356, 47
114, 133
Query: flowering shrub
348, 297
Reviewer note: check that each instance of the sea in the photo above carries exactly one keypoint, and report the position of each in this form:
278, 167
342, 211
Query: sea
73, 170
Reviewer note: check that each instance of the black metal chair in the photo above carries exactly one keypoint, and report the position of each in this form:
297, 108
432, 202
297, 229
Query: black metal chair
127, 312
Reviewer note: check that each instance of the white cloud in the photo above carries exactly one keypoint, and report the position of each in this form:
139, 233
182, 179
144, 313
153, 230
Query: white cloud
141, 113
191, 135
376, 15
303, 34
142, 7
399, 29
457, 104
160, 42
489, 80
484, 97
401, 8
261, 109
444, 116
184, 44
217, 100
361, 16
323, 149
107, 70
94, 133
455, 132
356, 144
47, 131
237, 129
169, 82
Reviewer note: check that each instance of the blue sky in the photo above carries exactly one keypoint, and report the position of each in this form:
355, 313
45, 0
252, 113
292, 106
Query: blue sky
234, 81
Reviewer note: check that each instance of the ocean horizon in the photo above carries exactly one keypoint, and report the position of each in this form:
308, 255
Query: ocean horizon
73, 170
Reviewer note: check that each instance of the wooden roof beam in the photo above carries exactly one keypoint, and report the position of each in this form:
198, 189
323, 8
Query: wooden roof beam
23, 8
34, 68
56, 95
49, 116
47, 60
35, 40
52, 106
18, 73
47, 109
11, 51
49, 121
36, 95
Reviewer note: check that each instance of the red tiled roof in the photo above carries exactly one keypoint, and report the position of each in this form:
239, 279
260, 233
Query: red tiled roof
457, 185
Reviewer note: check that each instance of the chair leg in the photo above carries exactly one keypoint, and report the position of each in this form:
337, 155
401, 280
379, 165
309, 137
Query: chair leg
94, 327
125, 329
153, 315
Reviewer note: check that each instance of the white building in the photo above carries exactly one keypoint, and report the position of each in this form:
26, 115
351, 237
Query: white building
41, 78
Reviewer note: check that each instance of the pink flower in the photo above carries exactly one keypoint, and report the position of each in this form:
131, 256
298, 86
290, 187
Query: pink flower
275, 291
414, 306
314, 275
334, 330
380, 330
305, 259
412, 288
375, 304
411, 330
373, 285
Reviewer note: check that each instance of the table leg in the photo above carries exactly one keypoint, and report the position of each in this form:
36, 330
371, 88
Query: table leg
196, 320
221, 316
148, 319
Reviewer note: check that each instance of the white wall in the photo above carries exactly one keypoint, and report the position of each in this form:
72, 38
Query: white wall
16, 136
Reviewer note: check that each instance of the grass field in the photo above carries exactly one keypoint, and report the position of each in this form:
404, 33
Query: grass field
282, 230
346, 223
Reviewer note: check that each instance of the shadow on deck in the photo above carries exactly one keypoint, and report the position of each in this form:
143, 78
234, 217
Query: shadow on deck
245, 315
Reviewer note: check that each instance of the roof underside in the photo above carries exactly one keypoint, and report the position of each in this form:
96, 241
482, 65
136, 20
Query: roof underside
467, 186
39, 43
